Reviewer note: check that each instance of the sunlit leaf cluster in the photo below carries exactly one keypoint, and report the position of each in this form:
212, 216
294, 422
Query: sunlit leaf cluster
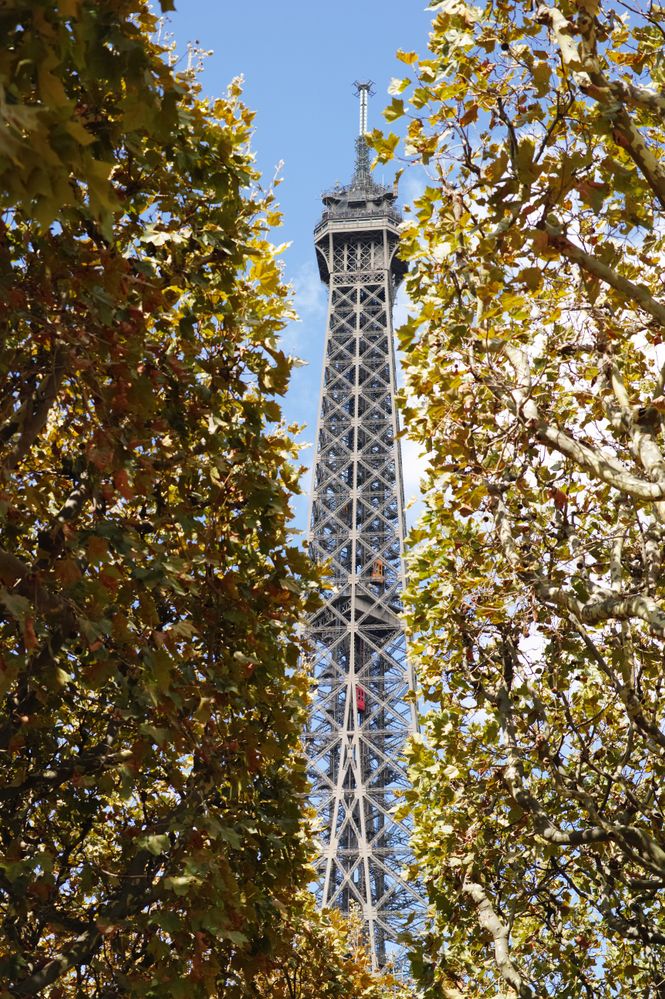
326, 958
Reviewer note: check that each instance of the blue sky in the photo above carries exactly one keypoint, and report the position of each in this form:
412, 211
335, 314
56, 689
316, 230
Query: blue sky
299, 60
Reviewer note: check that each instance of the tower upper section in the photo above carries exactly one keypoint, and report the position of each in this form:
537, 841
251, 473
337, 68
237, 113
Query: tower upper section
362, 208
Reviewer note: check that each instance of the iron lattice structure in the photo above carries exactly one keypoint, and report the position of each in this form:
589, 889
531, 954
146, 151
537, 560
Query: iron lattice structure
360, 718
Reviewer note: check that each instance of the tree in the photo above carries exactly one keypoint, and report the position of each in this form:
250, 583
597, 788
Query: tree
324, 958
152, 829
535, 378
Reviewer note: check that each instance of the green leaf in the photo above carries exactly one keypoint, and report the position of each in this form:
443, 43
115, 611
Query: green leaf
15, 604
180, 885
156, 844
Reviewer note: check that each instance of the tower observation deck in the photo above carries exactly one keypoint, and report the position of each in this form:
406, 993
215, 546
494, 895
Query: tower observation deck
360, 717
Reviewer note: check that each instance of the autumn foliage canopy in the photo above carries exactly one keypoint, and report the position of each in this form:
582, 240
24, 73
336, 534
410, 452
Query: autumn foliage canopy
152, 831
535, 380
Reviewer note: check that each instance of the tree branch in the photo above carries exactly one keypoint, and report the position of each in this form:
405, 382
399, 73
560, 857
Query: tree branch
637, 293
581, 60
33, 422
95, 761
606, 606
137, 894
603, 466
498, 930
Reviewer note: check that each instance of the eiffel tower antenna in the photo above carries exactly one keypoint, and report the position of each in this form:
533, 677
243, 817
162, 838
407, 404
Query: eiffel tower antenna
361, 174
363, 92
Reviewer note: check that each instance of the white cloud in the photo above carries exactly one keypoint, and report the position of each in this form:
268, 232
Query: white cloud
412, 184
310, 301
310, 292
414, 458
402, 307
415, 461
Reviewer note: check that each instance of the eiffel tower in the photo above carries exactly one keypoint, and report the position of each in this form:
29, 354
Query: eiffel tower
360, 717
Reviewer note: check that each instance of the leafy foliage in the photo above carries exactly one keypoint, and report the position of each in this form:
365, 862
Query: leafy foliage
153, 832
325, 958
77, 86
535, 379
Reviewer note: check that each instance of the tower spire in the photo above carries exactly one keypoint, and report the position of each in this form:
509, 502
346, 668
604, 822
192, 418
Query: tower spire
361, 175
363, 92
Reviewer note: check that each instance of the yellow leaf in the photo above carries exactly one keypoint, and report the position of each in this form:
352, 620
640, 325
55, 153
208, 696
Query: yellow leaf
51, 90
78, 132
541, 76
408, 57
532, 277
